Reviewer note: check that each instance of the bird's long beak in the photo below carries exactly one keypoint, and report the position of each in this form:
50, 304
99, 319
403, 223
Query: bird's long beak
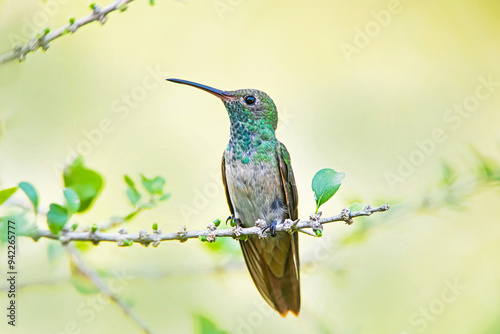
217, 92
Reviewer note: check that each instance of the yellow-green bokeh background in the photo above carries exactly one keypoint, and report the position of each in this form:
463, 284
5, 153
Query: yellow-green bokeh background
355, 116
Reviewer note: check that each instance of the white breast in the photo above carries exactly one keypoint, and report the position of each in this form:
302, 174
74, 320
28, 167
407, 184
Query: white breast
253, 188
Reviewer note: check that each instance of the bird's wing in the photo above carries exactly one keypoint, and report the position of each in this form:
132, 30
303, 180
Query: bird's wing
274, 262
292, 201
224, 182
288, 181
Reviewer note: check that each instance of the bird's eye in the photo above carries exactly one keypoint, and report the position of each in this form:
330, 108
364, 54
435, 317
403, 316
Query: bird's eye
250, 99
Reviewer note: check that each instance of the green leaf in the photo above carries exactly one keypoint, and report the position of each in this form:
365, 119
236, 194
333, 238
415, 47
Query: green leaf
165, 197
57, 217
447, 173
133, 195
30, 191
130, 215
204, 325
19, 216
153, 186
72, 200
487, 167
357, 207
325, 184
6, 193
85, 182
129, 181
151, 2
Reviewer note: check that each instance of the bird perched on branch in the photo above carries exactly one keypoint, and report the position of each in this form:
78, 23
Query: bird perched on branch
259, 184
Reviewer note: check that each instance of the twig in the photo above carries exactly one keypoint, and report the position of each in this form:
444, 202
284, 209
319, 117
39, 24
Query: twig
122, 238
45, 37
103, 287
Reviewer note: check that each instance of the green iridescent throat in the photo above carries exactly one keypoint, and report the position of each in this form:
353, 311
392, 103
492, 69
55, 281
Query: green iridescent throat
252, 137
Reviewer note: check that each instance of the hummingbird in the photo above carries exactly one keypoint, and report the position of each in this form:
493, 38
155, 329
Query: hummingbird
259, 184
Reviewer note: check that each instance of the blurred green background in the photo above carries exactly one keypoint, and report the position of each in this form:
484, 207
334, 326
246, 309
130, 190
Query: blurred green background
369, 88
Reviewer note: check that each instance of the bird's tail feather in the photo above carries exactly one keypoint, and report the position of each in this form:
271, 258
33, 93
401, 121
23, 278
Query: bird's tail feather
282, 291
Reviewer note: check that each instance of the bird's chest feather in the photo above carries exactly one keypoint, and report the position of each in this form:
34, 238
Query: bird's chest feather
255, 189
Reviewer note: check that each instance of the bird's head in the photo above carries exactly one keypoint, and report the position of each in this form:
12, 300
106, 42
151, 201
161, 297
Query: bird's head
243, 105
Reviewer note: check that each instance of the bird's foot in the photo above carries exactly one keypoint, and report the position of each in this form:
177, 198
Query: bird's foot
233, 220
271, 227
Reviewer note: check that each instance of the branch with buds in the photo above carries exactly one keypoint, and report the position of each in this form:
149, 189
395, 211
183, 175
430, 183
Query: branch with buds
210, 234
43, 39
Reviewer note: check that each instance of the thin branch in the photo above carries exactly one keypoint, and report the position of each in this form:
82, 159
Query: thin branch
45, 37
103, 287
122, 238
